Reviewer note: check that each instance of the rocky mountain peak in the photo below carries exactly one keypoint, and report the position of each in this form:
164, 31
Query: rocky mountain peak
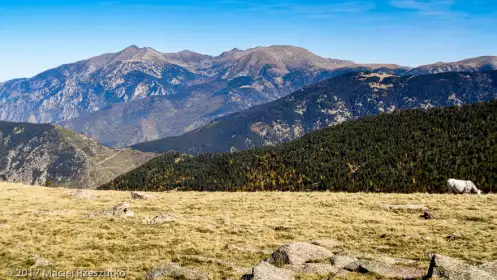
132, 48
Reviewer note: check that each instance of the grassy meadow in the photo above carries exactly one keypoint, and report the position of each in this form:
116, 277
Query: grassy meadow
225, 234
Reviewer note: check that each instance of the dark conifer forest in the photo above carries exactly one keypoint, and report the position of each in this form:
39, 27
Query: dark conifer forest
405, 151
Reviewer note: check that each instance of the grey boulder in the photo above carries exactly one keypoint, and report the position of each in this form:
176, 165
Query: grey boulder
453, 269
299, 253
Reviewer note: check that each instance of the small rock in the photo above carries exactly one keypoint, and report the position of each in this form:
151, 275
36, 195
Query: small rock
427, 215
490, 267
174, 270
160, 219
265, 271
390, 271
342, 261
299, 253
39, 262
454, 236
83, 194
328, 243
453, 269
138, 195
122, 209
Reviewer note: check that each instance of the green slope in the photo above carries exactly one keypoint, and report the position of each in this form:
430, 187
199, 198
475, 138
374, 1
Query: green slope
406, 151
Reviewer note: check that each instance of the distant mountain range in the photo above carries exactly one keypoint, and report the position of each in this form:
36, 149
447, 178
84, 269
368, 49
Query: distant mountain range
44, 154
333, 101
141, 94
477, 64
405, 151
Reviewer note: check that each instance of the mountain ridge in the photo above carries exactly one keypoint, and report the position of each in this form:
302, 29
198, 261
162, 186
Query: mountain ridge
330, 102
79, 95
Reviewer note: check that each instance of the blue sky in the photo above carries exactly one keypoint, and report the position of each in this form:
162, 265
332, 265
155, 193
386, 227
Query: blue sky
38, 35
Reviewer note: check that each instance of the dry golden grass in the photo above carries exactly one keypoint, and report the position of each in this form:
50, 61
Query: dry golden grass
50, 223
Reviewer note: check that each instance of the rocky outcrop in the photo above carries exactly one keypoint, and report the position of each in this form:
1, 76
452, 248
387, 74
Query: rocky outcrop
302, 259
452, 269
120, 210
299, 253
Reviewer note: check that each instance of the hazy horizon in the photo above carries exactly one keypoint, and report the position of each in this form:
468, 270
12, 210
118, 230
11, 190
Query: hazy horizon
40, 36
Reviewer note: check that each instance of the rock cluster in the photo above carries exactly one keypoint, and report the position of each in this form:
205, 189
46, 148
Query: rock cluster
120, 210
301, 258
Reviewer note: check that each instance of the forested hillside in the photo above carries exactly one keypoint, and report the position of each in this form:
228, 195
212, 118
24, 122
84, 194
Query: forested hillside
406, 151
328, 103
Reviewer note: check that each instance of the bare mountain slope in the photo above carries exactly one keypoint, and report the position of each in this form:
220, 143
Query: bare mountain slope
80, 95
42, 153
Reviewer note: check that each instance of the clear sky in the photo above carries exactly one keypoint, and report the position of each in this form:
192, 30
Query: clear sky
40, 34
